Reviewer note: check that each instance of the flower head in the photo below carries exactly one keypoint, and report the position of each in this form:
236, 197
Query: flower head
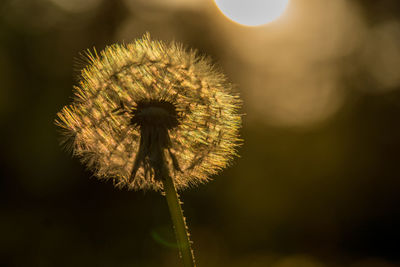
144, 103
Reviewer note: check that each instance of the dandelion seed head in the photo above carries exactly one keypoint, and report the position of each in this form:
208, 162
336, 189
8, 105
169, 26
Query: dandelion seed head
147, 101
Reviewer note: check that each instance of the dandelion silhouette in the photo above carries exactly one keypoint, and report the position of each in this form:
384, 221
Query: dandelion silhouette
150, 115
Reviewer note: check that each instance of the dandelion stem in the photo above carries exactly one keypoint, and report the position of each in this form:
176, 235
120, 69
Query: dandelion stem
181, 230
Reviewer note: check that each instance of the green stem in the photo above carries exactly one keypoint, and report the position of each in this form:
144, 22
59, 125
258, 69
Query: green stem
181, 230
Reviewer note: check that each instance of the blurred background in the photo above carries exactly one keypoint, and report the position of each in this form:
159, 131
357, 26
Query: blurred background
317, 183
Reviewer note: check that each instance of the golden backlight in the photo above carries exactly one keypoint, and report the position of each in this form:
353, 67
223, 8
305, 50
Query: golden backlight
252, 12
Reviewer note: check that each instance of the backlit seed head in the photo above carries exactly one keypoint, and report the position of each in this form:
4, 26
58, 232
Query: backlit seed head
149, 102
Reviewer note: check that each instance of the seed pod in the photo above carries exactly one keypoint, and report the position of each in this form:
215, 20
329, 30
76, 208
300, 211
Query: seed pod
144, 103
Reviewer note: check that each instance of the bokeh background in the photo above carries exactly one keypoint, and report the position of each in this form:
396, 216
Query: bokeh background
317, 183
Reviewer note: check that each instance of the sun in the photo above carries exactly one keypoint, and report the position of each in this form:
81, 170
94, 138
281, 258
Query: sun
252, 12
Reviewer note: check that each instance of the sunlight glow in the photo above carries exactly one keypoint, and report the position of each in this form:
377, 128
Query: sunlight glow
252, 12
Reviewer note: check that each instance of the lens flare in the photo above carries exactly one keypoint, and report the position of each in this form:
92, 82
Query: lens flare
252, 12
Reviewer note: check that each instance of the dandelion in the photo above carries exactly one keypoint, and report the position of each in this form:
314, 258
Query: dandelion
150, 115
